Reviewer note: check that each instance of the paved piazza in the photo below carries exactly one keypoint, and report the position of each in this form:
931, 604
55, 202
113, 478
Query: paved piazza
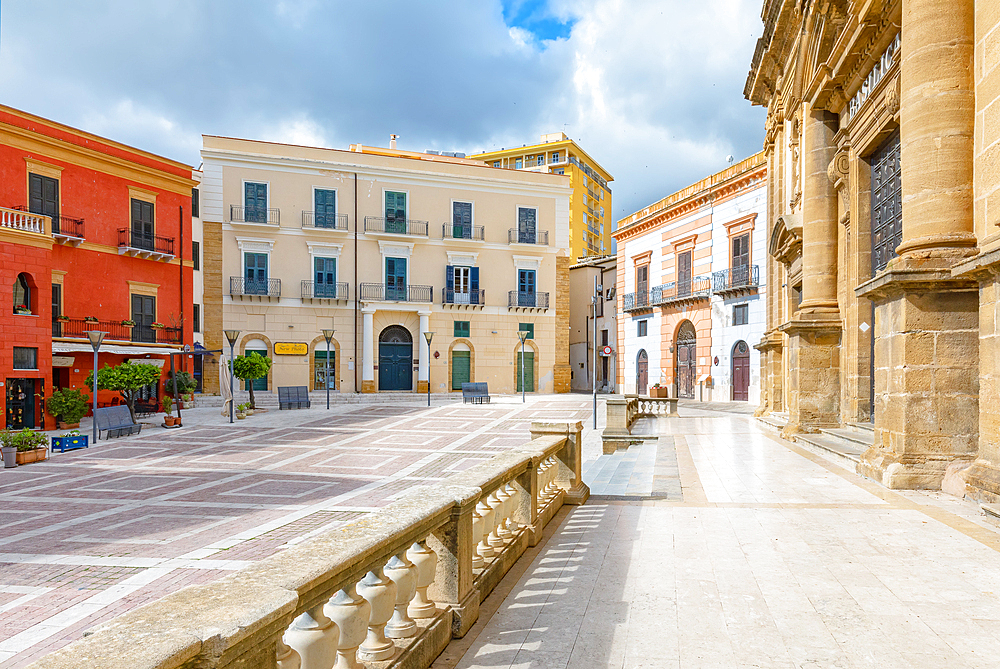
95, 532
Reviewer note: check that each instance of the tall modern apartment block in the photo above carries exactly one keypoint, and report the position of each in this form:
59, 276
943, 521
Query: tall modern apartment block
383, 245
590, 204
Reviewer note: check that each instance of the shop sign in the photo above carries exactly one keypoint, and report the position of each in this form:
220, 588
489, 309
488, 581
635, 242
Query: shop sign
291, 348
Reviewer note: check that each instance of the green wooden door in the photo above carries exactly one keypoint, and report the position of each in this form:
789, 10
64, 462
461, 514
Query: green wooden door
258, 384
461, 368
529, 371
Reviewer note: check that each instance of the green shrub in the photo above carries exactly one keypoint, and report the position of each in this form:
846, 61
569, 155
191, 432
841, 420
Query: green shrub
68, 404
25, 440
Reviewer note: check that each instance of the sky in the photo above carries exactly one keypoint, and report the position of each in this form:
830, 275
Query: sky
651, 89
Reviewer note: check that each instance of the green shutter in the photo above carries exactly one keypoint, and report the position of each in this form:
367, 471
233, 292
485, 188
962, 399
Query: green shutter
461, 369
462, 328
527, 327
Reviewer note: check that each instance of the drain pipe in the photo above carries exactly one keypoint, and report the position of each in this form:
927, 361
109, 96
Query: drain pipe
357, 297
180, 257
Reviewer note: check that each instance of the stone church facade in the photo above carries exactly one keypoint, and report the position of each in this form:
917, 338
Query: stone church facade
883, 150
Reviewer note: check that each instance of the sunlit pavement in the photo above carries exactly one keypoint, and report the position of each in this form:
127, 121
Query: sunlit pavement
93, 533
772, 556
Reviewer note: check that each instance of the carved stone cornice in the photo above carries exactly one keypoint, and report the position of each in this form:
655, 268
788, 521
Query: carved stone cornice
786, 238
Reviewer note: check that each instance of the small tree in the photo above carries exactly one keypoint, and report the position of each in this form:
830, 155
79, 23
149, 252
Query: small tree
250, 367
126, 378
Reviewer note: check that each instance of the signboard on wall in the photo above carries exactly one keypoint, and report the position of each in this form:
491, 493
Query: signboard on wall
291, 348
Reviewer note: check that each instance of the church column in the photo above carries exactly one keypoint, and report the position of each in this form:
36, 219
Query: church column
814, 333
927, 320
424, 366
368, 384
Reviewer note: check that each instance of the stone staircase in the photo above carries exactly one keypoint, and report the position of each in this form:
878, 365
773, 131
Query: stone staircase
847, 442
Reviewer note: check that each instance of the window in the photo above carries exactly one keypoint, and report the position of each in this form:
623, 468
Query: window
461, 285
555, 156
643, 328
741, 260
325, 213
143, 227
526, 288
196, 318
517, 164
741, 314
254, 202
196, 255
395, 279
604, 337
461, 220
326, 277
22, 294
43, 197
56, 309
195, 207
684, 273
496, 163
526, 225
255, 273
527, 327
641, 285
540, 160
462, 329
144, 315
395, 212
560, 170
25, 358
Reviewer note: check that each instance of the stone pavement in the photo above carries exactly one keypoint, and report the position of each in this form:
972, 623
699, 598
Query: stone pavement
773, 556
92, 533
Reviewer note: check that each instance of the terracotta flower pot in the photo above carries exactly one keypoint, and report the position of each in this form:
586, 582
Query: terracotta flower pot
34, 455
69, 426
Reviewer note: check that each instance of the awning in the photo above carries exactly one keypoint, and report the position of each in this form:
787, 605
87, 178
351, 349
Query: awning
69, 347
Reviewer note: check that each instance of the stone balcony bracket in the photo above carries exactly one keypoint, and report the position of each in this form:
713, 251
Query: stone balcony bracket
983, 267
900, 280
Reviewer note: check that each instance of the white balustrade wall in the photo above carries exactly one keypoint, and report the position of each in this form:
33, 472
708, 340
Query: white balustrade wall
396, 584
13, 219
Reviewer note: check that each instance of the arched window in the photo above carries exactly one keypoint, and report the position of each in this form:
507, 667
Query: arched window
22, 295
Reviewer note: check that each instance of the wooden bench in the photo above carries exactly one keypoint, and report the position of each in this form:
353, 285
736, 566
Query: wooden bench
293, 397
116, 420
477, 393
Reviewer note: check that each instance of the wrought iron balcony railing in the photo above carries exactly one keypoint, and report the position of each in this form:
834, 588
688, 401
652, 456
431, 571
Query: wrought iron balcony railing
266, 216
516, 298
396, 226
742, 278
62, 225
240, 286
312, 220
144, 243
324, 291
471, 297
515, 236
636, 301
379, 292
689, 290
76, 328
473, 232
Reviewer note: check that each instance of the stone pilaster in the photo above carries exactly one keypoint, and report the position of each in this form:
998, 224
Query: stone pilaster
560, 366
211, 267
813, 373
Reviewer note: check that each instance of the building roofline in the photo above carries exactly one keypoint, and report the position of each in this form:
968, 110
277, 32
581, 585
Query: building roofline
534, 147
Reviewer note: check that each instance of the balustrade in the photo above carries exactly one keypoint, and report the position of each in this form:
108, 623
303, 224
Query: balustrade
407, 577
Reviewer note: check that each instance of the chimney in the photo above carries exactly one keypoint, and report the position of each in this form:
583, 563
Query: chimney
392, 141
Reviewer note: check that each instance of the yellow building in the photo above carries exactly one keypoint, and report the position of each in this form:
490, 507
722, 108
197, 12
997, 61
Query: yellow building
590, 206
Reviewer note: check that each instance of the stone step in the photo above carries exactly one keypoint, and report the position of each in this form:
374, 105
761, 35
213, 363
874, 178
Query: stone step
775, 421
864, 428
861, 438
848, 451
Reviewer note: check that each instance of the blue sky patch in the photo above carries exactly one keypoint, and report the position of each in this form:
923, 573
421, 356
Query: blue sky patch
535, 17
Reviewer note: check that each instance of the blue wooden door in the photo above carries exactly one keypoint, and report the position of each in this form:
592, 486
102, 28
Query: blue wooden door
326, 277
395, 363
395, 212
526, 232
526, 288
255, 202
326, 208
395, 279
255, 273
461, 220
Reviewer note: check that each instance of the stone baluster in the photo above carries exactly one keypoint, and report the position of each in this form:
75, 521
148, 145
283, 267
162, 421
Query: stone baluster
503, 531
494, 539
314, 637
486, 511
477, 533
352, 614
515, 503
286, 656
425, 560
380, 593
404, 575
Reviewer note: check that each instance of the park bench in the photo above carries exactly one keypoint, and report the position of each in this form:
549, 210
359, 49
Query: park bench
117, 420
476, 392
293, 397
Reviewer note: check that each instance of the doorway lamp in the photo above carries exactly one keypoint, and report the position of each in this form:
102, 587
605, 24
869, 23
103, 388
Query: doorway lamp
522, 335
328, 335
96, 339
428, 336
232, 336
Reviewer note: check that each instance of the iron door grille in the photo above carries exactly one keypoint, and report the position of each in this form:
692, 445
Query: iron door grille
887, 204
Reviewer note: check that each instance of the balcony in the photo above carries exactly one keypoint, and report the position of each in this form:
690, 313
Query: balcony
396, 226
313, 221
242, 287
474, 299
476, 233
379, 292
22, 221
145, 245
324, 291
540, 237
518, 300
681, 292
76, 328
740, 280
65, 229
636, 301
255, 215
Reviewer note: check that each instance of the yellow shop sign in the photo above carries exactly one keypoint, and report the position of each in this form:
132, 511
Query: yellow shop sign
291, 348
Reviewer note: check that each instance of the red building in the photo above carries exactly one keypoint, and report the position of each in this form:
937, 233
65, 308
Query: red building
94, 235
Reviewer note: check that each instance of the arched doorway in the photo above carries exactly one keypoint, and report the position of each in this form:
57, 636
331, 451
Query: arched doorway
741, 372
641, 372
395, 359
687, 360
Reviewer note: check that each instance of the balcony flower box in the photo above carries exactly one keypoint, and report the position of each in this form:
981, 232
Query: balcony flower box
157, 326
22, 310
62, 319
129, 323
90, 319
70, 442
657, 391
32, 455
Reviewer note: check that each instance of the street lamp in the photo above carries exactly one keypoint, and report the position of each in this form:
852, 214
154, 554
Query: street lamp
522, 335
598, 294
428, 336
328, 335
95, 338
231, 335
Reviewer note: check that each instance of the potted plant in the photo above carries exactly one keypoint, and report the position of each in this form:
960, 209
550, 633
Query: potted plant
185, 386
70, 441
30, 446
8, 448
657, 391
157, 326
68, 405
129, 323
168, 408
241, 410
62, 319
22, 309
90, 319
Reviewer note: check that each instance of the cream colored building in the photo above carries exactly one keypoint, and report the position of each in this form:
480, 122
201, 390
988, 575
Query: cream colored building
382, 245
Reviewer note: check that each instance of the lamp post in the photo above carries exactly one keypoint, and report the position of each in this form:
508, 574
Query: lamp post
598, 289
95, 338
522, 335
328, 335
428, 336
231, 335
